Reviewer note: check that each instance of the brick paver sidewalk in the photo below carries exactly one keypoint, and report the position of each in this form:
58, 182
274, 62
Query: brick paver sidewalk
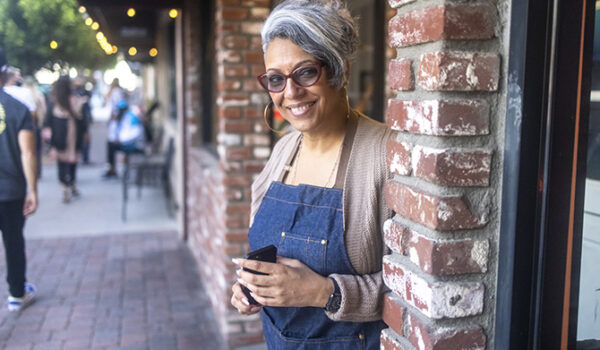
135, 291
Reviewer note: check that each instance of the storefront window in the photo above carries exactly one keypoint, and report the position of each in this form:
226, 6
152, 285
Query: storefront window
588, 322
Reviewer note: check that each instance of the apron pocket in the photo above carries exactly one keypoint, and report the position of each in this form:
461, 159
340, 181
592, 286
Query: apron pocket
311, 251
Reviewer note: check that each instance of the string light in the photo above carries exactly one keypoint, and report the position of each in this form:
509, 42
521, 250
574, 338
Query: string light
131, 12
95, 26
132, 51
153, 52
81, 9
89, 21
53, 45
173, 13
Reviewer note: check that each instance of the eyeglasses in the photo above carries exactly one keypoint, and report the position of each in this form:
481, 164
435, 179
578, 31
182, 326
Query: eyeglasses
304, 76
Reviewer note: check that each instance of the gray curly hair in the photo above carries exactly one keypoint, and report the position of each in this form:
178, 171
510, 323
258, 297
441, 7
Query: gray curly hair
323, 28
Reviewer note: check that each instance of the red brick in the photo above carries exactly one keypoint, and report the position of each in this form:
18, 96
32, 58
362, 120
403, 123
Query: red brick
235, 70
400, 76
461, 21
391, 341
257, 3
429, 337
251, 27
257, 69
452, 167
237, 208
435, 299
459, 71
252, 85
235, 42
396, 236
236, 180
254, 112
253, 57
448, 256
256, 43
398, 157
397, 3
228, 28
235, 13
233, 250
238, 153
229, 56
393, 313
259, 13
443, 213
233, 100
230, 113
229, 85
230, 166
439, 117
236, 126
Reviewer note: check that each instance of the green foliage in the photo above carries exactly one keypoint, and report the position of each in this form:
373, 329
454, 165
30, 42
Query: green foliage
28, 26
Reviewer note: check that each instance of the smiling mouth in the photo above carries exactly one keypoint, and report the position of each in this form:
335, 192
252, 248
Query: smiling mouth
300, 109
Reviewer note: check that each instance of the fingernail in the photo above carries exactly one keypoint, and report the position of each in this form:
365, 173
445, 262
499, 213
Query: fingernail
252, 294
235, 261
254, 309
245, 301
237, 272
241, 281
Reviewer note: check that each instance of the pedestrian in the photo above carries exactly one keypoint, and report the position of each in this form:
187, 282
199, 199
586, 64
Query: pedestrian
18, 190
67, 131
125, 134
320, 198
86, 114
38, 116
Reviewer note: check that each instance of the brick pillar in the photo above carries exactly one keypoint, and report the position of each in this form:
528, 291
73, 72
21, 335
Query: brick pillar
446, 75
219, 198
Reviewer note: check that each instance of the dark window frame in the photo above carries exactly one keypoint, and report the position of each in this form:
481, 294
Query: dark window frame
546, 121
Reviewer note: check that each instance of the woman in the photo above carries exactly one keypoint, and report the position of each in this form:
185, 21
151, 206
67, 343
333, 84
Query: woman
67, 131
319, 199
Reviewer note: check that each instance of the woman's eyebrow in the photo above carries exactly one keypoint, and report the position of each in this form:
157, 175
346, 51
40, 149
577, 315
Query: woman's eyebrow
299, 64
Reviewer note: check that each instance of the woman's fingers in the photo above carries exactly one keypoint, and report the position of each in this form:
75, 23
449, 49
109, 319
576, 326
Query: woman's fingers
241, 303
259, 266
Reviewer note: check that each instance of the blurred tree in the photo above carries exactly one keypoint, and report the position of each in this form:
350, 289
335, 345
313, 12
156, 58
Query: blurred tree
27, 27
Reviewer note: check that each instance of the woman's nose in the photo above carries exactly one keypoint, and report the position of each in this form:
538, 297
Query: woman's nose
292, 90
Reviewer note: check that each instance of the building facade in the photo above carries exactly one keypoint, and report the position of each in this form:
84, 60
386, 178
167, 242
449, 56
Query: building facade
487, 194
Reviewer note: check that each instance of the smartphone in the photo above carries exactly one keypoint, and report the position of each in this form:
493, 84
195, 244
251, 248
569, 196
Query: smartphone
268, 254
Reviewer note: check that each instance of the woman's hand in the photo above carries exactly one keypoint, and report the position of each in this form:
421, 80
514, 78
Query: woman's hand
288, 283
240, 302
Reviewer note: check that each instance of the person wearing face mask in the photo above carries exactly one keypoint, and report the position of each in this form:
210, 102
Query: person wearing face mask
320, 197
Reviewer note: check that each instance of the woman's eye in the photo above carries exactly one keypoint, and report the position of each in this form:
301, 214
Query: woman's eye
276, 78
307, 72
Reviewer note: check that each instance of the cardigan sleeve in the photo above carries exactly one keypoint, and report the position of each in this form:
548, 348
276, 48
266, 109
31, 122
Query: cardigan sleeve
362, 294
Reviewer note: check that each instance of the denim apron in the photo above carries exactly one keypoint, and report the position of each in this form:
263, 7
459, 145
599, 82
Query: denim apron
306, 223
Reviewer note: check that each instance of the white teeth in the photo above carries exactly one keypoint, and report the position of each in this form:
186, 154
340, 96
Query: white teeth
300, 109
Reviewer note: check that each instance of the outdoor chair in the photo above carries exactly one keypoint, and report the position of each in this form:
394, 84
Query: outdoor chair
148, 170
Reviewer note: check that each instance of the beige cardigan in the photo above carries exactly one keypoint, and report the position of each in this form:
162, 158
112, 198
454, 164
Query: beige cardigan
364, 214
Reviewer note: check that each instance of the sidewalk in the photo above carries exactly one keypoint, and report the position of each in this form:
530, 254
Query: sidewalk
132, 291
103, 283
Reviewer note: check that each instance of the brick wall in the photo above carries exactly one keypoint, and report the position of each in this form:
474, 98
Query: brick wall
444, 164
219, 187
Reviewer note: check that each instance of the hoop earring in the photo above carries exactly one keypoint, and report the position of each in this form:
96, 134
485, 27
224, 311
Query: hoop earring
269, 105
347, 103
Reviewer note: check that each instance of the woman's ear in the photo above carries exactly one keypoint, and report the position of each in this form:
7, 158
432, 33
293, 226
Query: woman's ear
347, 72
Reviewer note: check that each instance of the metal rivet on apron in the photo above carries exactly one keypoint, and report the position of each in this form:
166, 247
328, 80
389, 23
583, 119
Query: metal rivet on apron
323, 242
361, 336
282, 234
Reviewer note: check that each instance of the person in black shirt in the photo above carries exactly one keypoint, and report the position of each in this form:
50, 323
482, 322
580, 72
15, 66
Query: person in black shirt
18, 189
